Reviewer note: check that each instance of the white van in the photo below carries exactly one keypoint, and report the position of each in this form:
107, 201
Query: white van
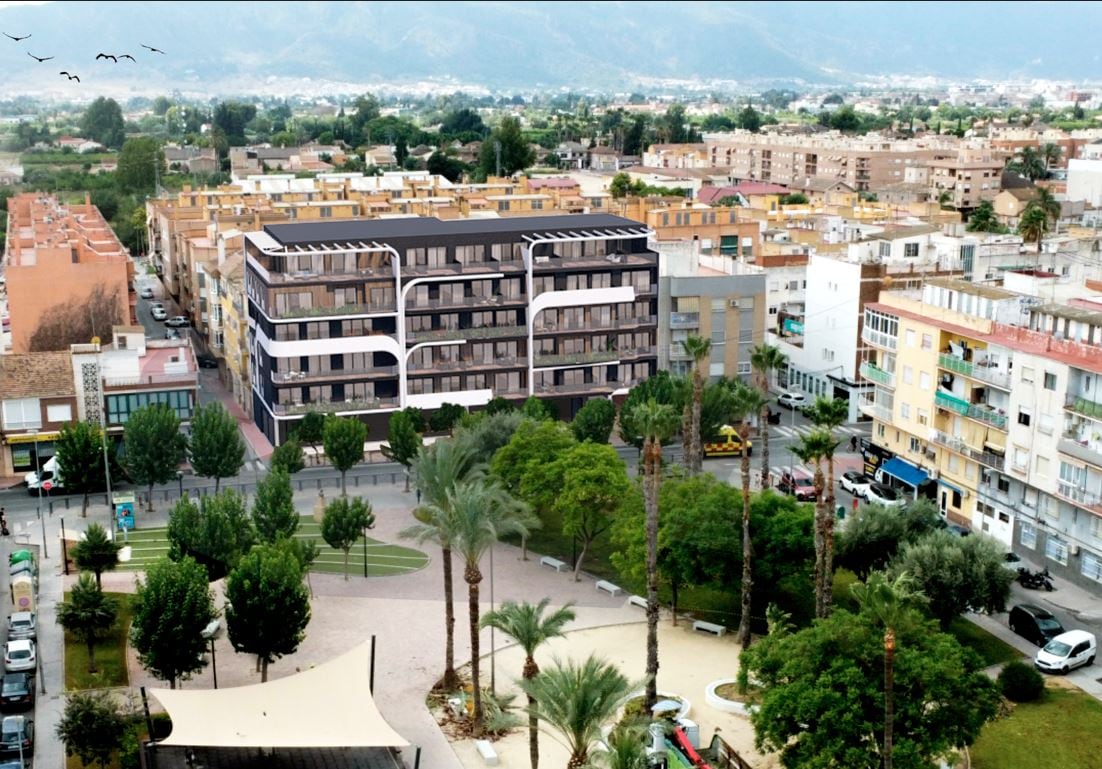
1067, 651
51, 471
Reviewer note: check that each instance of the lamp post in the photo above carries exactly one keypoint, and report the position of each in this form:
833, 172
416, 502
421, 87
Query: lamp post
38, 504
180, 481
103, 436
493, 650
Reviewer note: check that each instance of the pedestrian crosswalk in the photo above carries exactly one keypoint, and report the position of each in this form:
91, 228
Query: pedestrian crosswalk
796, 431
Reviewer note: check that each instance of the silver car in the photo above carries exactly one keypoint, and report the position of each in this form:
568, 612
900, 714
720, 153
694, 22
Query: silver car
22, 626
20, 656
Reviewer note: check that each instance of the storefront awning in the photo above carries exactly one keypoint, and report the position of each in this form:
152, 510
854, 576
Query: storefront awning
329, 706
904, 471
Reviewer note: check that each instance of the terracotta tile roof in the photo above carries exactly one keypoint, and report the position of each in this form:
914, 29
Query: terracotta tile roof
36, 375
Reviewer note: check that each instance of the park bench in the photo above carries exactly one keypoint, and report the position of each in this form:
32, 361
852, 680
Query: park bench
637, 600
709, 627
608, 587
486, 750
554, 563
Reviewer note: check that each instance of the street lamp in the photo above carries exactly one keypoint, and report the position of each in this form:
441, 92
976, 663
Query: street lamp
180, 481
211, 632
103, 436
38, 505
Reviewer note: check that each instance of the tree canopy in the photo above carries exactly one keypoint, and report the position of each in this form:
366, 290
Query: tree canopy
403, 440
592, 484
516, 155
91, 727
140, 161
288, 456
274, 514
87, 614
154, 446
216, 448
97, 552
594, 421
344, 523
79, 450
344, 443
875, 533
102, 122
216, 531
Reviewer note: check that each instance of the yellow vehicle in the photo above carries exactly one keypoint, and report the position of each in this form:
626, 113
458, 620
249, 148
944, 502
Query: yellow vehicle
728, 444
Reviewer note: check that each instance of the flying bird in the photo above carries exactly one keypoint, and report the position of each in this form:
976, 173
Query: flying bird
39, 59
151, 48
107, 56
71, 77
127, 56
16, 39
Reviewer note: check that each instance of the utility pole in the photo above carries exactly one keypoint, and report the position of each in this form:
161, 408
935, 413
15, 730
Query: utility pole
497, 153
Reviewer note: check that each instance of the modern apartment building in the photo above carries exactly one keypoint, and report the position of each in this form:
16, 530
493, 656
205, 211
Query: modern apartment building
970, 176
1006, 418
366, 317
56, 256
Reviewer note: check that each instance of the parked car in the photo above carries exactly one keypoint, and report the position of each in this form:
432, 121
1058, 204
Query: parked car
206, 361
800, 486
856, 483
178, 321
16, 692
171, 333
1034, 624
146, 293
13, 731
1067, 651
19, 655
21, 626
1011, 562
882, 494
158, 311
792, 400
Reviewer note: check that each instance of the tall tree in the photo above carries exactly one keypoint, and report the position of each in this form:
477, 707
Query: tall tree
1033, 225
828, 414
91, 727
577, 700
274, 514
656, 423
983, 219
140, 162
531, 628
404, 441
765, 359
874, 534
102, 122
216, 449
699, 349
516, 155
88, 614
172, 607
288, 456
345, 521
1029, 163
80, 452
594, 421
445, 418
591, 484
749, 119
484, 513
97, 552
812, 450
154, 446
538, 409
748, 404
437, 470
311, 430
344, 444
1047, 202
216, 532
267, 605
1051, 154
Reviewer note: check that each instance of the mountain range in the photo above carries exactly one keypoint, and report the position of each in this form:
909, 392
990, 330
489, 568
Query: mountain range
238, 47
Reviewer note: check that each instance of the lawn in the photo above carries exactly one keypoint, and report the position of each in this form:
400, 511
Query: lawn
110, 654
383, 560
991, 650
1062, 731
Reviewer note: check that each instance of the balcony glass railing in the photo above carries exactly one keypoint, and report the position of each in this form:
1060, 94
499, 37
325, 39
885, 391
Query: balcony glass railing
953, 363
448, 334
986, 458
879, 338
987, 415
291, 377
578, 358
1084, 406
1079, 496
951, 402
326, 407
876, 374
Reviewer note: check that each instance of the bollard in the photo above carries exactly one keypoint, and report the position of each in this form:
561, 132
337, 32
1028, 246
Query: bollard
319, 484
299, 485
51, 504
66, 504
356, 481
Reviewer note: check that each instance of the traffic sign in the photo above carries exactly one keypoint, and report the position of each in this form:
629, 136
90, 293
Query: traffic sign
47, 485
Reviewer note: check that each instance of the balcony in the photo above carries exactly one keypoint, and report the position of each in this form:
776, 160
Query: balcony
190, 379
433, 305
482, 332
987, 414
1079, 497
870, 408
579, 358
951, 402
578, 388
466, 364
555, 327
1082, 449
1087, 408
985, 458
293, 377
876, 374
326, 407
982, 370
472, 269
878, 339
322, 312
953, 363
684, 320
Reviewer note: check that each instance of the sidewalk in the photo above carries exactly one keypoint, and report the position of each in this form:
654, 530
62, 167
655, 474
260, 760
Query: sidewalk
257, 443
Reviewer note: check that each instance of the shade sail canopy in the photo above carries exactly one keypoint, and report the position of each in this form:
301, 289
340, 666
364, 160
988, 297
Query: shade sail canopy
905, 471
329, 706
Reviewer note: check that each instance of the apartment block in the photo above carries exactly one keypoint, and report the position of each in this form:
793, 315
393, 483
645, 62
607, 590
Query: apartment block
1005, 419
970, 176
366, 317
56, 256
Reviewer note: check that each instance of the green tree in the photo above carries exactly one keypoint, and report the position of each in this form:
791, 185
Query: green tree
1029, 163
594, 421
172, 607
749, 119
80, 451
267, 606
794, 199
88, 614
577, 700
813, 449
445, 418
442, 164
404, 442
764, 360
102, 122
464, 124
484, 513
97, 552
231, 117
140, 160
983, 219
1047, 202
344, 444
345, 521
1033, 225
489, 433
538, 409
592, 483
91, 727
828, 414
154, 446
531, 628
516, 155
655, 422
436, 471
401, 150
845, 119
874, 534
311, 430
662, 388
216, 531
699, 349
748, 404
288, 456
216, 449
274, 514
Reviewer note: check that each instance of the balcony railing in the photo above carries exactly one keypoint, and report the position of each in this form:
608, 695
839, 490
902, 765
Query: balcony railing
321, 312
326, 407
1079, 497
1081, 450
684, 319
290, 377
463, 301
483, 332
879, 338
467, 364
986, 458
991, 375
190, 378
871, 408
987, 415
1084, 406
577, 358
876, 374
951, 402
555, 327
953, 363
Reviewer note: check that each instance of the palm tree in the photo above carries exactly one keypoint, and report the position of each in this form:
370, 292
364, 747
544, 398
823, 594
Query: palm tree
813, 449
1033, 225
656, 423
748, 403
889, 602
1050, 154
765, 359
829, 413
483, 512
577, 701
627, 748
437, 469
87, 614
97, 552
527, 625
1047, 202
1029, 164
698, 348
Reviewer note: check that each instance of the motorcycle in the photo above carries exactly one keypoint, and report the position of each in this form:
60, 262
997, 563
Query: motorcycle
1035, 580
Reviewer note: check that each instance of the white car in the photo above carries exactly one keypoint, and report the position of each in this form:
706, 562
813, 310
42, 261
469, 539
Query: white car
879, 494
1067, 651
792, 400
856, 483
19, 656
158, 311
146, 293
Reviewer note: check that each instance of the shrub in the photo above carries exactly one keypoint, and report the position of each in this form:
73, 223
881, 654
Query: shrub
1020, 682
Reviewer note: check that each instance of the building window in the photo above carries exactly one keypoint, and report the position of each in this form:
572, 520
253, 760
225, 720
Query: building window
828, 354
885, 249
1028, 536
1091, 567
1056, 549
1024, 417
880, 430
914, 445
910, 337
908, 374
120, 407
1042, 465
22, 414
927, 342
1027, 374
61, 412
1050, 381
924, 380
905, 410
910, 250
744, 367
